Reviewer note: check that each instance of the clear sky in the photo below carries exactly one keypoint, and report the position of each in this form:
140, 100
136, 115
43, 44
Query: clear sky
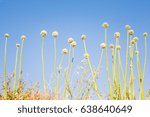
70, 18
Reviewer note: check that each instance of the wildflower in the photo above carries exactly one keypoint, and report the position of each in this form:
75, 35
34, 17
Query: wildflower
23, 37
103, 45
118, 47
135, 39
127, 27
70, 40
131, 32
145, 34
7, 35
111, 46
86, 56
105, 25
117, 35
43, 33
17, 45
73, 44
55, 34
64, 51
83, 37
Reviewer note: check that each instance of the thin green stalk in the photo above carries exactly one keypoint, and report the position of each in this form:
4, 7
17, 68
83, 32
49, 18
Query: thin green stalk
55, 78
145, 57
121, 67
107, 67
126, 65
68, 72
15, 69
43, 67
20, 69
5, 72
59, 72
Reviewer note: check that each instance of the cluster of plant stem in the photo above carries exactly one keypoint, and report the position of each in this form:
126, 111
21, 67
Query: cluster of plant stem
117, 89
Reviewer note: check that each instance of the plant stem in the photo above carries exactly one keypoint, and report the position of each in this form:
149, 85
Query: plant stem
43, 67
59, 72
5, 72
107, 67
55, 78
20, 70
126, 66
15, 69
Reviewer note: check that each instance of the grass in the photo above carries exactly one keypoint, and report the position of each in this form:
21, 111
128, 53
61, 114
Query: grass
86, 86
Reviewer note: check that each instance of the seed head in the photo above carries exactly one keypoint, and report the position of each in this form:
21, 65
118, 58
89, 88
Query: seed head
131, 32
73, 44
17, 45
86, 56
7, 35
23, 37
137, 52
145, 34
118, 47
103, 45
55, 34
131, 66
111, 46
136, 39
83, 37
70, 40
43, 33
133, 41
127, 27
105, 25
64, 51
117, 35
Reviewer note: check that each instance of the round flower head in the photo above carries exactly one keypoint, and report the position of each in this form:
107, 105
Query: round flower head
117, 35
145, 34
23, 37
127, 27
70, 40
133, 41
118, 47
55, 34
131, 66
136, 52
111, 46
7, 35
105, 25
136, 39
131, 32
83, 37
43, 33
86, 56
64, 51
103, 45
17, 45
73, 44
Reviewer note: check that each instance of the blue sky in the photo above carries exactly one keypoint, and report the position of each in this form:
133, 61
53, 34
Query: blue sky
70, 18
